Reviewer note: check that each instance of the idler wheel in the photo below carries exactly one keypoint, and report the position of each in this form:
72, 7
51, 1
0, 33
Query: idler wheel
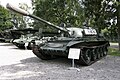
40, 54
45, 56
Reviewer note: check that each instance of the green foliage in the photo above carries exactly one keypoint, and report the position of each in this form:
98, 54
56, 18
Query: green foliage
59, 11
100, 12
20, 21
17, 20
5, 22
104, 14
114, 52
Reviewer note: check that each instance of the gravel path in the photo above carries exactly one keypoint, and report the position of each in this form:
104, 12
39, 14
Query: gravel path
16, 64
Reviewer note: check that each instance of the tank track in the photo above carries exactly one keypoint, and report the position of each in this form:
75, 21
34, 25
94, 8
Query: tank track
40, 55
88, 54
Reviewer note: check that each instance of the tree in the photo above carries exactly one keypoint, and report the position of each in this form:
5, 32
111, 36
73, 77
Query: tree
20, 21
99, 12
118, 21
25, 19
5, 17
58, 11
104, 14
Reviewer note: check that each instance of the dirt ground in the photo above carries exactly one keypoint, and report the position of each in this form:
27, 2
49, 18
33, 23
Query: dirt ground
16, 64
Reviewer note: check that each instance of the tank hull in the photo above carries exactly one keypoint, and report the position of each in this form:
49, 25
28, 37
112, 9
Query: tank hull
91, 51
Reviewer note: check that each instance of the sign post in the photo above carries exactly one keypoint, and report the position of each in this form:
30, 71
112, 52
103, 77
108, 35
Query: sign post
73, 63
74, 53
26, 44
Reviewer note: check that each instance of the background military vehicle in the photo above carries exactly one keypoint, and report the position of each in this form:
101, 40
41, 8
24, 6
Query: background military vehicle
10, 34
16, 34
5, 36
92, 46
31, 36
24, 41
26, 36
2, 39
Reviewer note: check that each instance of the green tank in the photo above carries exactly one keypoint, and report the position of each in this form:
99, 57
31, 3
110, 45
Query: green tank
24, 37
92, 46
31, 37
24, 42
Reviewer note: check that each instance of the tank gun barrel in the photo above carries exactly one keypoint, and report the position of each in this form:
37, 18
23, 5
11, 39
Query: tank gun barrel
25, 13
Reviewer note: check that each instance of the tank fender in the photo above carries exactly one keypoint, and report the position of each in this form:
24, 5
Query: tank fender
71, 43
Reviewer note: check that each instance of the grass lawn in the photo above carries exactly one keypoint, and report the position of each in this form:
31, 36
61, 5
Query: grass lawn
113, 51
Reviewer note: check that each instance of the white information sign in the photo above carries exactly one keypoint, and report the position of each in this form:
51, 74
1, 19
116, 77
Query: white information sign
74, 53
